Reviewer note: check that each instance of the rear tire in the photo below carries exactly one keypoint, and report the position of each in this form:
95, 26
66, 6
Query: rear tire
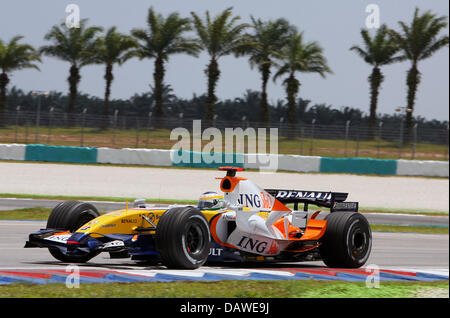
183, 238
70, 216
347, 241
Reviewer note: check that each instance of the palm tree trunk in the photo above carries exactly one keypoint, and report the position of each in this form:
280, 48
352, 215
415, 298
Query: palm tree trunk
265, 75
375, 80
412, 81
158, 77
213, 73
73, 79
109, 78
4, 80
292, 86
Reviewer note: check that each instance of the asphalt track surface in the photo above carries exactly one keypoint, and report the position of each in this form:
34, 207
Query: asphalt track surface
390, 250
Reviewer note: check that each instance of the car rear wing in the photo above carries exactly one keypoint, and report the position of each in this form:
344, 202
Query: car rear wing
335, 201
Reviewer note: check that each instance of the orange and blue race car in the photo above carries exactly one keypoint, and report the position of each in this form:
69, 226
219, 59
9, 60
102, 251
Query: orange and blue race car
244, 223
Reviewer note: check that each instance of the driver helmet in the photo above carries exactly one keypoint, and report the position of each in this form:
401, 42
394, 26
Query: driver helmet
211, 201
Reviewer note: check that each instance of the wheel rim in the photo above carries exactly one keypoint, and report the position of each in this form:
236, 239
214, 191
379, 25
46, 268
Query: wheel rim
358, 242
194, 241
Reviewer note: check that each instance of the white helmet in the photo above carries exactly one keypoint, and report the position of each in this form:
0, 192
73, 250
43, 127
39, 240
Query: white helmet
211, 201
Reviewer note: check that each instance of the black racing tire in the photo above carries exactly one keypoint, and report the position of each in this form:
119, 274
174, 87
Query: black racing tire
70, 216
347, 241
183, 238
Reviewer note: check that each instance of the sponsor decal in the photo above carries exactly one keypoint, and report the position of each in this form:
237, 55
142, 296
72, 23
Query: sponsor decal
303, 195
129, 220
109, 225
153, 217
252, 243
345, 206
249, 243
250, 200
229, 216
59, 238
115, 243
84, 228
253, 200
215, 251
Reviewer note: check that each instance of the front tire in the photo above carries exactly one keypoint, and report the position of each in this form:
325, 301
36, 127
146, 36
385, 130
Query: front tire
347, 241
70, 216
183, 238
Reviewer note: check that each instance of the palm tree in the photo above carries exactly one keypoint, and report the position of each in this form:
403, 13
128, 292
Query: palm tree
298, 56
164, 37
76, 46
13, 57
378, 51
113, 48
262, 46
219, 37
418, 41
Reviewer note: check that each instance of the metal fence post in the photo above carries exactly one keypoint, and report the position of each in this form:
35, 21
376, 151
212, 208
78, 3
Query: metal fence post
17, 123
311, 146
280, 126
83, 118
302, 130
347, 127
380, 125
413, 153
38, 119
357, 141
446, 148
137, 131
38, 114
114, 127
148, 128
400, 142
26, 130
50, 120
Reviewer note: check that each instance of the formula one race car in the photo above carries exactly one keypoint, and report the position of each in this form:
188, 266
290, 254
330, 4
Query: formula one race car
246, 223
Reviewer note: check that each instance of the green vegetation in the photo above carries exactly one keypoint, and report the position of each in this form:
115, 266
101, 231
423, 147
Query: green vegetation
113, 48
14, 56
229, 289
418, 41
298, 56
219, 36
262, 48
163, 37
39, 214
378, 51
76, 46
409, 229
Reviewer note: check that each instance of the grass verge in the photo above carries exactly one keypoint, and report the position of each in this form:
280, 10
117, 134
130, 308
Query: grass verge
409, 229
229, 289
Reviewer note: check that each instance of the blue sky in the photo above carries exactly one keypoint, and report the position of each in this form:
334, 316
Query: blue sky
335, 25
